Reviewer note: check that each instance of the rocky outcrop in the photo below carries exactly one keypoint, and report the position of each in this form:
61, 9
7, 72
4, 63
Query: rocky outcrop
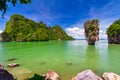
1, 38
113, 33
111, 76
51, 75
4, 74
86, 75
91, 31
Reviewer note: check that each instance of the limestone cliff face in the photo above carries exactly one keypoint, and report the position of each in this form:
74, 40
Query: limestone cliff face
91, 31
113, 33
1, 38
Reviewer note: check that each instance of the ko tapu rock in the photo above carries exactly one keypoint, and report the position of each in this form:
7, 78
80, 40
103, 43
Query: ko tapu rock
113, 33
91, 31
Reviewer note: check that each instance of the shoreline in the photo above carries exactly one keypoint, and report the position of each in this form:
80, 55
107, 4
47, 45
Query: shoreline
88, 72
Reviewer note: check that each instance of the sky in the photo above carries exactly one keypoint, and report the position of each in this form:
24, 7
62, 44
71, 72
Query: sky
69, 14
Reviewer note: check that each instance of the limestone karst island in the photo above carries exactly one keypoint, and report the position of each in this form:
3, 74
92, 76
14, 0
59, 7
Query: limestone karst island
59, 40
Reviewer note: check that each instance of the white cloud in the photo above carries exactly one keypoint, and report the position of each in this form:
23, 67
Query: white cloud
102, 34
75, 32
78, 33
1, 31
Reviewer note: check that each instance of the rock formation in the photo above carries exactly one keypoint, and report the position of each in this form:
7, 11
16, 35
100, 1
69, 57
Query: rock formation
1, 38
51, 75
113, 33
21, 29
111, 76
91, 31
86, 75
4, 74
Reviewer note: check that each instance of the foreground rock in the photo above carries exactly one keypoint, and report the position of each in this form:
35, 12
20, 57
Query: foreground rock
51, 75
4, 74
86, 75
91, 31
111, 76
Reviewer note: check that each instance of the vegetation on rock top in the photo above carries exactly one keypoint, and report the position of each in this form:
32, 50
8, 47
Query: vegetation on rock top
19, 28
113, 32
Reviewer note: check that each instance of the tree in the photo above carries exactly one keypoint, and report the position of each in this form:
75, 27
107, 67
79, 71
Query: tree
4, 6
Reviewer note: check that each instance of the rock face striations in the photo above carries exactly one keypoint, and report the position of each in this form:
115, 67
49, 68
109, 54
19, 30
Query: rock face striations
19, 28
113, 33
91, 31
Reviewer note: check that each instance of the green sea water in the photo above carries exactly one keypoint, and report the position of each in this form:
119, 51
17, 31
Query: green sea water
39, 57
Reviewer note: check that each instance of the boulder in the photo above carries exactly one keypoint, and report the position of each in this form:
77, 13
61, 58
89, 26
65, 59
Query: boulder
111, 76
51, 75
4, 74
86, 75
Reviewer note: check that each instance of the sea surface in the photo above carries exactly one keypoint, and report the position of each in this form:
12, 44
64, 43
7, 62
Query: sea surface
67, 58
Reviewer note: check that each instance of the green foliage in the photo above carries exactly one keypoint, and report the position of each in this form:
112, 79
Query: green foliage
4, 6
36, 77
114, 29
92, 26
19, 28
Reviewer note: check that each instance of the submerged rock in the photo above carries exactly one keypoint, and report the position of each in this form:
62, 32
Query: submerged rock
69, 63
21, 73
111, 76
11, 59
91, 31
13, 65
86, 75
51, 75
4, 74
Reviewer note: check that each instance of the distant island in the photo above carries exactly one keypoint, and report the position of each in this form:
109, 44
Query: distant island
21, 29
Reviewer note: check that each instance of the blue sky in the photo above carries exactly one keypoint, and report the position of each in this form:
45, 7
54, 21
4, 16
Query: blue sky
69, 14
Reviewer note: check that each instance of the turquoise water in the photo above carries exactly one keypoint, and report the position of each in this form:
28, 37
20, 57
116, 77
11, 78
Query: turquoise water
39, 57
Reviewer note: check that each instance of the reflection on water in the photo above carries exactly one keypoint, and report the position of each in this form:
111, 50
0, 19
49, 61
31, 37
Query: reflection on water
92, 58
